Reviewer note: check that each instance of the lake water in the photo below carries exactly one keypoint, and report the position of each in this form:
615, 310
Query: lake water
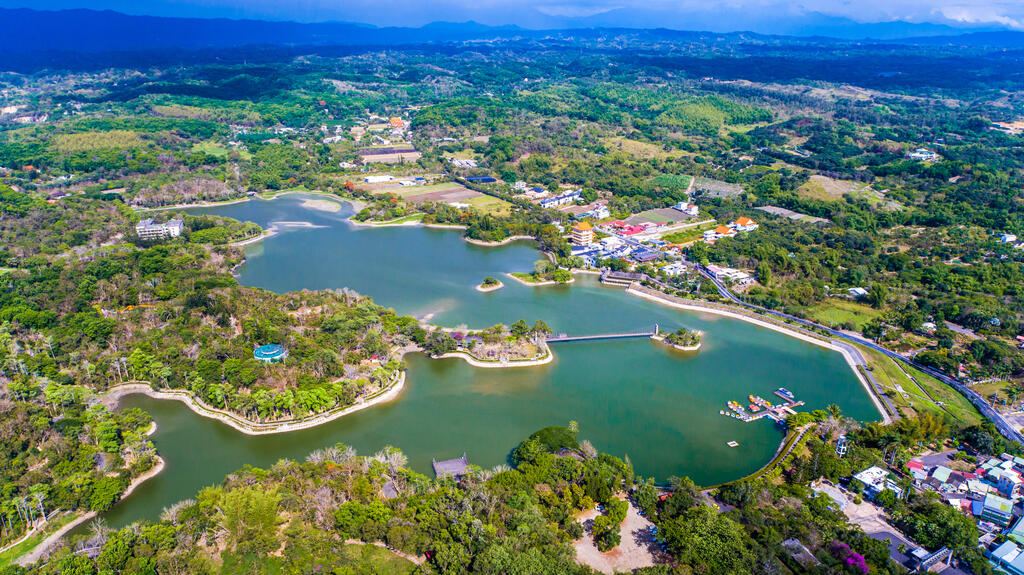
631, 397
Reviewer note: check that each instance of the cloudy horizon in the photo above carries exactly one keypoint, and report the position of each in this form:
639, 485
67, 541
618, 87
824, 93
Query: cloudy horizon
681, 14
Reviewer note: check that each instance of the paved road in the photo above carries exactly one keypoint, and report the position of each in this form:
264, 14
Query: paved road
977, 400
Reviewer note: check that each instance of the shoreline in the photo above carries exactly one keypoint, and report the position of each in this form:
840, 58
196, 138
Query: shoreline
792, 332
267, 233
498, 364
540, 284
503, 242
661, 339
249, 427
488, 289
34, 554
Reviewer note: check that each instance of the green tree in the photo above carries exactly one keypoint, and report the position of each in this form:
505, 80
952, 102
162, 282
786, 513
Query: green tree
877, 295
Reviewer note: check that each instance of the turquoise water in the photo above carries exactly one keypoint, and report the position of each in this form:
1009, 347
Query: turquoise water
631, 397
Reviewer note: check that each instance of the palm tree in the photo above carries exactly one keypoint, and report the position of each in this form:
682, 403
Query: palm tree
833, 410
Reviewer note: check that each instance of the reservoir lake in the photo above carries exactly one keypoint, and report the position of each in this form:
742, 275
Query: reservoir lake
630, 397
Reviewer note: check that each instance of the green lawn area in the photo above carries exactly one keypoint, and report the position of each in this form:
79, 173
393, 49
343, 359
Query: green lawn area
837, 312
378, 560
349, 558
404, 219
219, 150
269, 194
889, 376
689, 234
490, 204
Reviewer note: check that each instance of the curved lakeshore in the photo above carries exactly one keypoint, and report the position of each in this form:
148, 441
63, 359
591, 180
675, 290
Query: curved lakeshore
628, 395
765, 322
475, 361
503, 242
250, 427
44, 546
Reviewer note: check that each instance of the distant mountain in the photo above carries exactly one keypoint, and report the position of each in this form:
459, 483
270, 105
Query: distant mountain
48, 38
33, 31
773, 22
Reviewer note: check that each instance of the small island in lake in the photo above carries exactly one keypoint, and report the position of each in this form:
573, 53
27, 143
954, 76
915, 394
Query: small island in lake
682, 339
489, 284
544, 273
517, 345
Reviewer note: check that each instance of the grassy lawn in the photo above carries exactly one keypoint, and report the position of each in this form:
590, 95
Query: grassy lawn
689, 234
378, 560
889, 376
837, 312
349, 558
219, 150
403, 219
490, 205
269, 194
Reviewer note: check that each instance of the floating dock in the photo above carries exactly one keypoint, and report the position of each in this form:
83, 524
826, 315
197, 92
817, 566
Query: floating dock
760, 407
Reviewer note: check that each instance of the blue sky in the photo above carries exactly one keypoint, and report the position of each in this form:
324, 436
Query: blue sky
681, 14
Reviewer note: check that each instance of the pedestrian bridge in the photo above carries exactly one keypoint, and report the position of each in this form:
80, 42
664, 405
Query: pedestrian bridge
560, 337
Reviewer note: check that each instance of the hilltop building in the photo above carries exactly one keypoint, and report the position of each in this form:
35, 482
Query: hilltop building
148, 230
923, 155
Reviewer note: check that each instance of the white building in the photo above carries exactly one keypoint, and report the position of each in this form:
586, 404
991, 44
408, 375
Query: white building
147, 230
738, 276
923, 155
687, 208
858, 292
378, 179
676, 268
876, 481
1007, 238
561, 199
598, 213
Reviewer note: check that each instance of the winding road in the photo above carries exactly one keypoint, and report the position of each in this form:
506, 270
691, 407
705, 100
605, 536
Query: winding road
976, 399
